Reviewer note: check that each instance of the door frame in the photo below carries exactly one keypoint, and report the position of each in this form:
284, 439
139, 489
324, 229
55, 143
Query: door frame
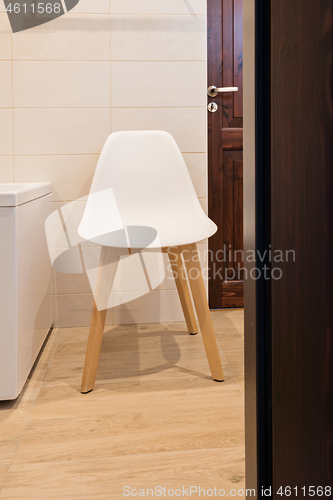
288, 397
257, 295
257, 302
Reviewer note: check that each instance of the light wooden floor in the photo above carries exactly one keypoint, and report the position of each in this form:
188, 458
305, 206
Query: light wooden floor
155, 418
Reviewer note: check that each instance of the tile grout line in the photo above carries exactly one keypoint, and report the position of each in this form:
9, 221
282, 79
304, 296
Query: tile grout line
150, 14
93, 154
12, 82
106, 107
106, 60
110, 45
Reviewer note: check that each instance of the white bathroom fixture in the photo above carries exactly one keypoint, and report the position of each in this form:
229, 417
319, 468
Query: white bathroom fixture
26, 281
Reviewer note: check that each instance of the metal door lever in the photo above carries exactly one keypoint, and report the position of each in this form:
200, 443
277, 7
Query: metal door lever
213, 91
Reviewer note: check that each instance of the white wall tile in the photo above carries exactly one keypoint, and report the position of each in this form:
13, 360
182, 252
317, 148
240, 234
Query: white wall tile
158, 6
130, 276
6, 84
196, 164
6, 169
60, 131
205, 262
5, 37
154, 307
68, 283
78, 170
75, 310
187, 125
62, 73
158, 84
202, 249
203, 202
91, 7
71, 84
169, 282
158, 38
67, 38
6, 132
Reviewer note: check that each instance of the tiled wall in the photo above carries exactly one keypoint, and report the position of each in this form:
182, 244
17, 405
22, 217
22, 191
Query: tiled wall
107, 65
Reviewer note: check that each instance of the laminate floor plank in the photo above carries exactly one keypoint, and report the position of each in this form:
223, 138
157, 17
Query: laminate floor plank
105, 478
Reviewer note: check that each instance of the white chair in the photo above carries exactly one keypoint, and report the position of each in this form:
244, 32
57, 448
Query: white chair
152, 189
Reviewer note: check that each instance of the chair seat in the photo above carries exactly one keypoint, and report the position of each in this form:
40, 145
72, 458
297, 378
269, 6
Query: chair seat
184, 231
157, 232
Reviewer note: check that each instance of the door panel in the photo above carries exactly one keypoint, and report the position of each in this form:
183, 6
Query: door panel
238, 58
232, 61
233, 211
225, 145
302, 220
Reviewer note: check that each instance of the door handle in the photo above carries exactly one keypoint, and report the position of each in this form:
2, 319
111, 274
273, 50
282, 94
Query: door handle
213, 91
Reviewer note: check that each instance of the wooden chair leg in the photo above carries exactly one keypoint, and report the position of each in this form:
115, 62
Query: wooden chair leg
93, 349
106, 274
205, 321
178, 270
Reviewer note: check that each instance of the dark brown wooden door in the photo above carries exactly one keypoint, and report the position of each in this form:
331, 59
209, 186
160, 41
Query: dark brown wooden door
225, 153
301, 146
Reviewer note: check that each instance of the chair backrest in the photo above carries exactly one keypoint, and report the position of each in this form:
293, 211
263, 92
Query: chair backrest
147, 174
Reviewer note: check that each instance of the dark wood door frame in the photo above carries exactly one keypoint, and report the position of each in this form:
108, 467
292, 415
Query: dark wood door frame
257, 234
288, 186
